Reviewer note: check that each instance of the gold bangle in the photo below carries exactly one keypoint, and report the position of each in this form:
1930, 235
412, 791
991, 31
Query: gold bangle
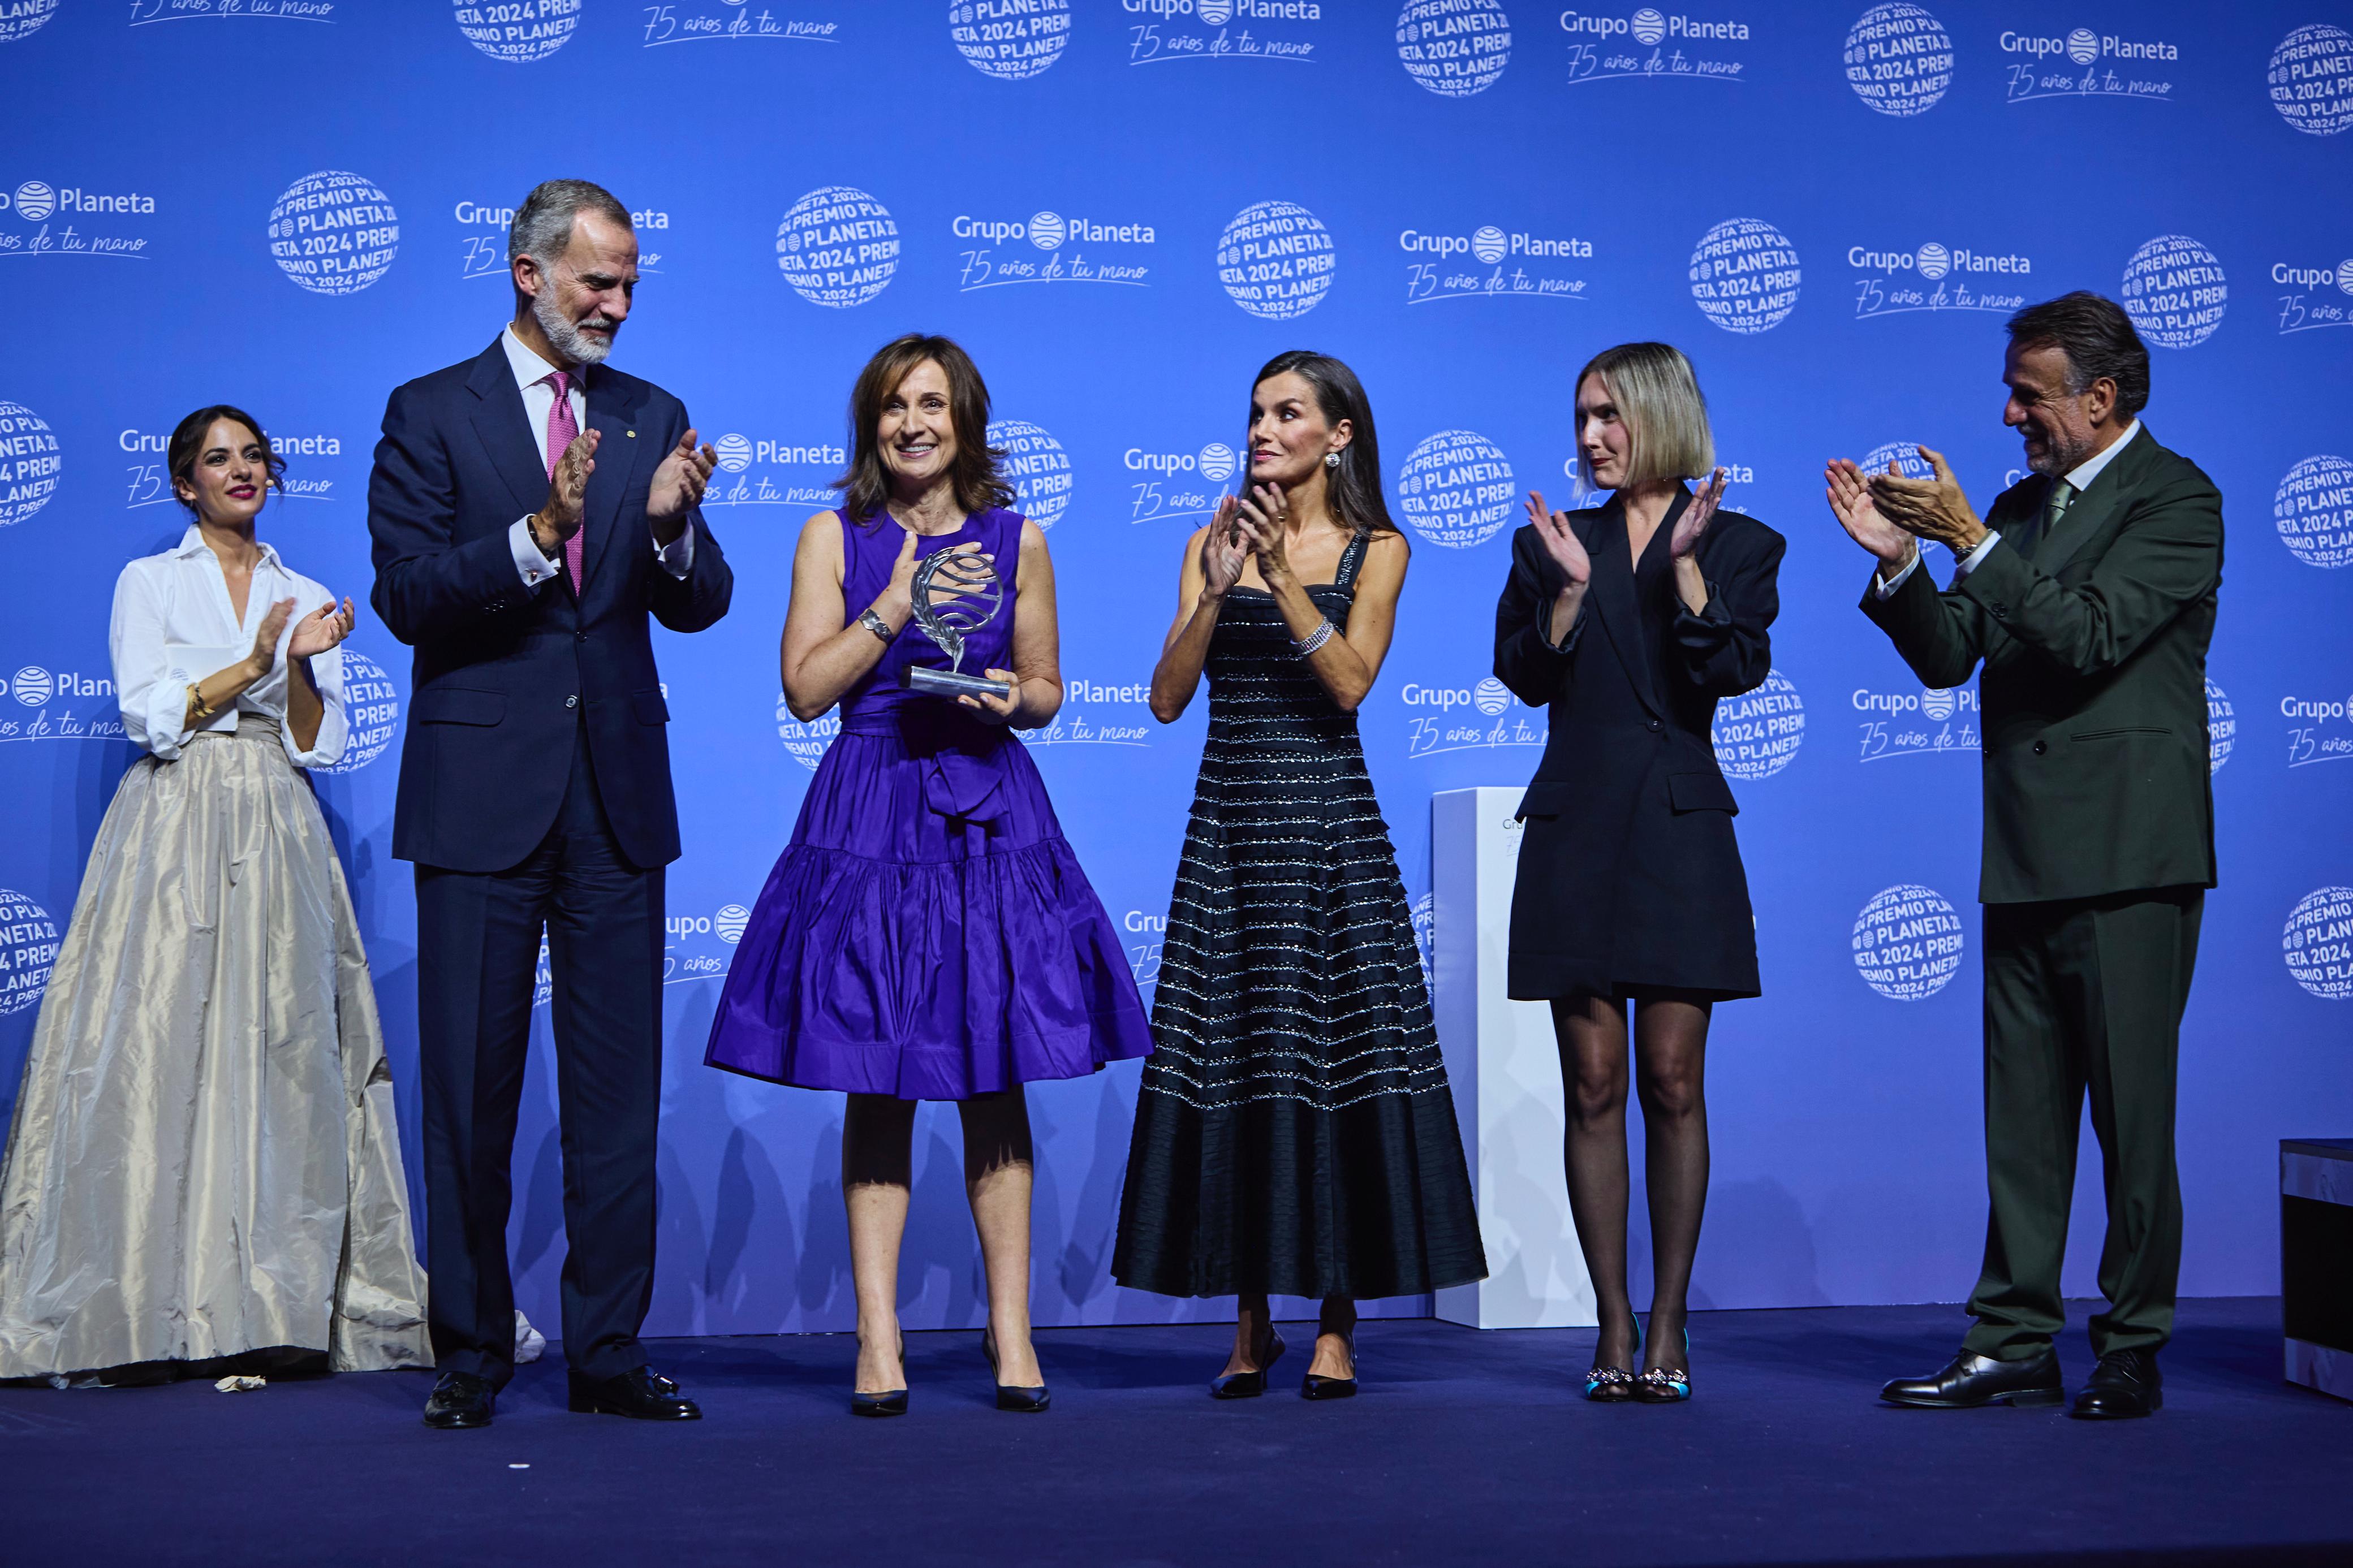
196, 704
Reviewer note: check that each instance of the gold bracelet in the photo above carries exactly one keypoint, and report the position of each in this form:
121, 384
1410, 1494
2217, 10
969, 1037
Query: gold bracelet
196, 704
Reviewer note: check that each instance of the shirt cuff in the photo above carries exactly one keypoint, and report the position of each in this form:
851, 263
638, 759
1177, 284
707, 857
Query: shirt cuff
1975, 558
534, 567
1884, 589
677, 557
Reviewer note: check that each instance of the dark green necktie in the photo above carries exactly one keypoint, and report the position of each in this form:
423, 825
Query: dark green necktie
2054, 507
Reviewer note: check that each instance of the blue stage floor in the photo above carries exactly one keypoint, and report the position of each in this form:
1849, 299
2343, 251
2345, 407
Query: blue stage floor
1464, 1447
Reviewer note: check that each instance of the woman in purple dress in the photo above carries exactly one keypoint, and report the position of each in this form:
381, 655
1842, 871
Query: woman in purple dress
927, 934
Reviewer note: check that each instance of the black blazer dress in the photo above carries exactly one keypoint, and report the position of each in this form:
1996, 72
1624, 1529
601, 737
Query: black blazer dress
1629, 877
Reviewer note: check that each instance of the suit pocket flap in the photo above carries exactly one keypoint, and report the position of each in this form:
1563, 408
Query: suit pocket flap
651, 708
1545, 799
458, 705
1700, 792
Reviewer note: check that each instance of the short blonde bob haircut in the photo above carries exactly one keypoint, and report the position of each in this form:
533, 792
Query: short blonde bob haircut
1659, 402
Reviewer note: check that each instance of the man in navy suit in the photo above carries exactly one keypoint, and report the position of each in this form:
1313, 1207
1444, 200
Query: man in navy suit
530, 510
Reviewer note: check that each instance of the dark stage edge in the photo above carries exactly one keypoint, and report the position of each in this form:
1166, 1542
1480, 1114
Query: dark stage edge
1463, 1447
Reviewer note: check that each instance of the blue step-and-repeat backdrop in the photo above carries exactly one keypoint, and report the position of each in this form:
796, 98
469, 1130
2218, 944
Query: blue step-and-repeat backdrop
1122, 207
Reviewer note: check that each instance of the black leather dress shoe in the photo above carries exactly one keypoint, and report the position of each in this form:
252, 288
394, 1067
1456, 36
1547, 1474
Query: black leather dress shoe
1970, 1380
460, 1400
1249, 1384
2123, 1385
640, 1392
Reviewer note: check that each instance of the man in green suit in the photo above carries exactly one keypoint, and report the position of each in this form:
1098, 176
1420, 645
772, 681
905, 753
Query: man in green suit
2088, 594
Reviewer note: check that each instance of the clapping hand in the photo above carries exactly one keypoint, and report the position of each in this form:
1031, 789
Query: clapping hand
567, 490
265, 641
1260, 519
1849, 493
321, 629
1222, 549
1935, 508
679, 481
1559, 540
1693, 525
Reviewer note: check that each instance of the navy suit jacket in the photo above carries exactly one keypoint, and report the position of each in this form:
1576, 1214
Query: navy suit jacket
508, 678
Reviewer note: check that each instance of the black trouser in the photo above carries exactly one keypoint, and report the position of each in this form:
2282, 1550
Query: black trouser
478, 958
2082, 996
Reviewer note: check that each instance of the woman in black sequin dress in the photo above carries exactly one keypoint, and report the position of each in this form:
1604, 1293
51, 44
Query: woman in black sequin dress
1294, 1134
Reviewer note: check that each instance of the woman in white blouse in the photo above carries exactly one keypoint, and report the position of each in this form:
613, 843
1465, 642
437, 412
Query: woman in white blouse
203, 1173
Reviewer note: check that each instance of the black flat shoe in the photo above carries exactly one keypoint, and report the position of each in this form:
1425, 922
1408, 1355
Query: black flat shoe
1970, 1380
641, 1394
2123, 1386
1014, 1397
889, 1402
1249, 1384
460, 1400
1314, 1387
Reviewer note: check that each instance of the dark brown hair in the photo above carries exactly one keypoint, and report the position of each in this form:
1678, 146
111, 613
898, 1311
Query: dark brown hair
1353, 485
188, 441
866, 487
2098, 340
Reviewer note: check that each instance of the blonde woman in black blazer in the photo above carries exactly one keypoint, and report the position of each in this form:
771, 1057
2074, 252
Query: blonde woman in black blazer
1629, 621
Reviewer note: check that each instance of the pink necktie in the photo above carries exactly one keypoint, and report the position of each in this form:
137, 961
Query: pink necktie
561, 429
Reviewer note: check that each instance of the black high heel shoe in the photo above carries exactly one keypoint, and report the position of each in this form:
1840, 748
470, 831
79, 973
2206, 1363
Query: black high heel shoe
1666, 1385
1013, 1396
1612, 1385
889, 1402
1249, 1384
1314, 1387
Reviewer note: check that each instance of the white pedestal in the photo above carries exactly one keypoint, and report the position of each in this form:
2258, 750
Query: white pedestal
1504, 1069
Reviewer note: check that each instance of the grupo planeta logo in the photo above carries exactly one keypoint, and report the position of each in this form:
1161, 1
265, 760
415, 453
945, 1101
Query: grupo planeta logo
2313, 510
699, 947
1011, 39
1651, 45
22, 19
1454, 49
2174, 291
61, 705
1482, 717
517, 31
1908, 942
1744, 276
838, 247
29, 951
482, 253
147, 12
1276, 260
2311, 79
1148, 934
2317, 944
1509, 265
1757, 733
1949, 277
1161, 32
1899, 59
371, 712
1094, 713
30, 463
1456, 489
2322, 294
333, 232
1168, 487
1036, 468
1076, 249
70, 220
765, 471
1922, 722
2081, 63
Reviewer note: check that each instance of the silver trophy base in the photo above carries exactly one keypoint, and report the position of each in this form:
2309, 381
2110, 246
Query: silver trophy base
950, 684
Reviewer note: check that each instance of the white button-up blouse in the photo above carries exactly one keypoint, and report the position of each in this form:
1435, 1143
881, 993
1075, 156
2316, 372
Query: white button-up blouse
169, 606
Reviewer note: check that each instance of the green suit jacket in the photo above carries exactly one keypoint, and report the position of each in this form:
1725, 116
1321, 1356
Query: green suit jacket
2094, 697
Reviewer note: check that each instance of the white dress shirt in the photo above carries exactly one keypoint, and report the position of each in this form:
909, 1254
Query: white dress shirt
169, 606
2078, 477
531, 373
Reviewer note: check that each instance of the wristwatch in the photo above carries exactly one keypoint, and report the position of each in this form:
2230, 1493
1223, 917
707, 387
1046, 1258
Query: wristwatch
875, 624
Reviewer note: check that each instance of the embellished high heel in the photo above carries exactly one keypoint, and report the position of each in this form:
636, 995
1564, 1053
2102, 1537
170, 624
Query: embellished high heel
889, 1402
1666, 1385
1314, 1387
1612, 1385
1011, 1396
1249, 1384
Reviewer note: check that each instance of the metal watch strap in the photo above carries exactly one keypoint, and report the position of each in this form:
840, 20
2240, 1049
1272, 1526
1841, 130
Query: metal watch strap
875, 624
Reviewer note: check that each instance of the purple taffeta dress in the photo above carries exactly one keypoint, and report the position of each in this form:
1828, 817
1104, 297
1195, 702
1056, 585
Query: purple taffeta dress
927, 933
